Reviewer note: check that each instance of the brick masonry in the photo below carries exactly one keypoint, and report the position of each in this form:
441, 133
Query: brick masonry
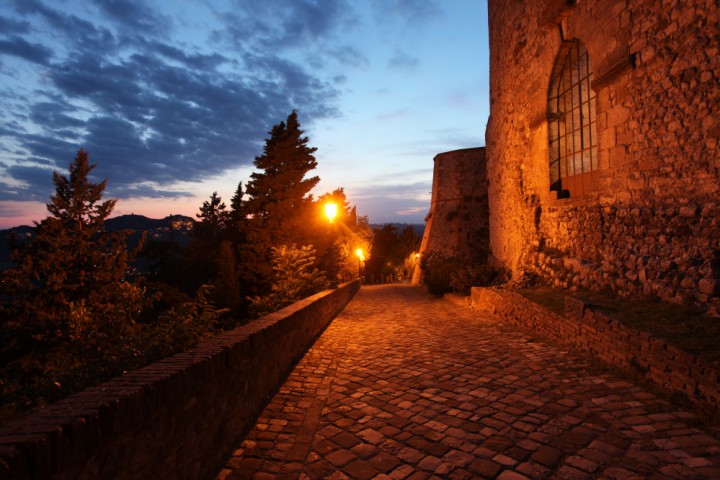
176, 418
608, 340
650, 222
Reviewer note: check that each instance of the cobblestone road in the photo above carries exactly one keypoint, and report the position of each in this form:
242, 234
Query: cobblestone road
405, 386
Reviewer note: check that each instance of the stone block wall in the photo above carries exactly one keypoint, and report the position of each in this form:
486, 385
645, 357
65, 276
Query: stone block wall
178, 418
650, 221
458, 217
608, 340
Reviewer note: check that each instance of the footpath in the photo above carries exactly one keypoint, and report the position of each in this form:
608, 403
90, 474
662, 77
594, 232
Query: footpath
402, 385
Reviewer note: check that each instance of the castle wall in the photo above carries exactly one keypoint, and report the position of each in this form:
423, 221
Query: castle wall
650, 221
458, 219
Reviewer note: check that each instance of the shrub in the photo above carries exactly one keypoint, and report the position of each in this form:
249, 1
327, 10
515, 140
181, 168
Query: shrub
296, 277
444, 273
437, 269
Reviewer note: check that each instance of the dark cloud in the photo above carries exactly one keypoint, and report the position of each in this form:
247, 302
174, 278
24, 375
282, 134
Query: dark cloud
19, 47
32, 175
403, 61
409, 10
277, 24
134, 15
151, 112
78, 34
55, 117
10, 26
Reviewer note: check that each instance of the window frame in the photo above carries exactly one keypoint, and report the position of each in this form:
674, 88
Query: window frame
572, 123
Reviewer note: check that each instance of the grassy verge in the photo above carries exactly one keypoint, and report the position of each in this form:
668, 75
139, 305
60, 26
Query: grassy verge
683, 327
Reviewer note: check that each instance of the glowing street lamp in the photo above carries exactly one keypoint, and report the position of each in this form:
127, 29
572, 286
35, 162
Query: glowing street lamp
331, 211
361, 258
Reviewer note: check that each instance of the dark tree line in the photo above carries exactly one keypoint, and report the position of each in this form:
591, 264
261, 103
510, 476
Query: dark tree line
73, 312
392, 253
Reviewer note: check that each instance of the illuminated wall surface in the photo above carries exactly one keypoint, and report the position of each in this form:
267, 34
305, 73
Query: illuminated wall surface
602, 145
458, 219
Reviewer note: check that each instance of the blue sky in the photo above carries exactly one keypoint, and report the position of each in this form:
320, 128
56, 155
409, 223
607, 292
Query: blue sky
174, 98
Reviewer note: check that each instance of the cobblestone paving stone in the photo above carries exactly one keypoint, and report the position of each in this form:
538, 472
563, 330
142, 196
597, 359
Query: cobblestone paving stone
405, 386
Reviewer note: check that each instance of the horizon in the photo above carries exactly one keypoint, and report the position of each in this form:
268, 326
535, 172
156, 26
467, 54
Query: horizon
174, 106
194, 218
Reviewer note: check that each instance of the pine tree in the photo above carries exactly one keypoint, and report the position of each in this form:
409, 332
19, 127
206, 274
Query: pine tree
66, 306
278, 197
207, 235
214, 219
72, 259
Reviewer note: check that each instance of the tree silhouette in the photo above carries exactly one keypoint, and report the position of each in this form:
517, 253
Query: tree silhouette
72, 258
66, 306
277, 200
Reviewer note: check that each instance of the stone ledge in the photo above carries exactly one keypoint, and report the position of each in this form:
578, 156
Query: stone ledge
175, 418
609, 340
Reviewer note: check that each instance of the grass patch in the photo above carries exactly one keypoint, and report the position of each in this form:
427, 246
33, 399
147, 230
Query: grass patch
553, 300
685, 328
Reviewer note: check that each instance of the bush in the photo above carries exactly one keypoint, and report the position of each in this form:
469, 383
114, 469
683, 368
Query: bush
469, 275
437, 269
455, 273
296, 277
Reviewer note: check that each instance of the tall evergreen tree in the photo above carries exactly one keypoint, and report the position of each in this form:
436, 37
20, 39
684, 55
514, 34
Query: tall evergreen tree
72, 259
207, 235
214, 219
278, 197
67, 311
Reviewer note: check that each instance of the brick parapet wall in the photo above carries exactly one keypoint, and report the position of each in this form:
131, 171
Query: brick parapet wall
173, 419
609, 340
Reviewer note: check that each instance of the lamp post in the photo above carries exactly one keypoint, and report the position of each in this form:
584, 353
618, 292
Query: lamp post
361, 258
331, 212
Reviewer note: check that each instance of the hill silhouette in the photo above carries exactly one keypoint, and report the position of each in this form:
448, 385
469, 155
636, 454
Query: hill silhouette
172, 227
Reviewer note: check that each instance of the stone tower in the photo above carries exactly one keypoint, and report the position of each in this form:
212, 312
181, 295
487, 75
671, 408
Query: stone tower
458, 219
603, 145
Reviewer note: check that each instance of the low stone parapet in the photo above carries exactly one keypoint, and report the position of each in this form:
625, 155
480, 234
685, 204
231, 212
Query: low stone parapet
176, 418
609, 340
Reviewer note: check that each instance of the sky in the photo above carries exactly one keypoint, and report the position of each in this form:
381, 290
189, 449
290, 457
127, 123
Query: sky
173, 99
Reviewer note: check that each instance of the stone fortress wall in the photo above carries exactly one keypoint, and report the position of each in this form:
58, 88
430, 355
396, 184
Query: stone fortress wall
457, 222
649, 222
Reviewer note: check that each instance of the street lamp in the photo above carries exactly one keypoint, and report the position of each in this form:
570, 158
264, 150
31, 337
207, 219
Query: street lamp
331, 211
361, 258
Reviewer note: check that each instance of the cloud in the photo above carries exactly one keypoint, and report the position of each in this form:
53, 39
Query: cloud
403, 61
279, 24
412, 11
134, 15
412, 211
9, 25
21, 48
152, 111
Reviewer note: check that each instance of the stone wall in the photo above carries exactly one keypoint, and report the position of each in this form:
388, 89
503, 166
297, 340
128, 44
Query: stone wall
650, 222
608, 340
176, 419
458, 219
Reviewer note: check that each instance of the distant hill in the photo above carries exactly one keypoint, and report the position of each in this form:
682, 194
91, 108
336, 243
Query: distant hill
418, 227
172, 227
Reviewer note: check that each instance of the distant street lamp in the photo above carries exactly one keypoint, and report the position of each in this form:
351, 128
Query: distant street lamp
361, 258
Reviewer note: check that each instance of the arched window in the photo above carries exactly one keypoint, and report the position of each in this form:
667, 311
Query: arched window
571, 123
